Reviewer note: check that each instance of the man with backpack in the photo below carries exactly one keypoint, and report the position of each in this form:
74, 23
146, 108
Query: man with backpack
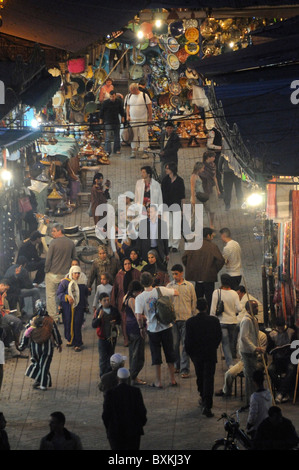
154, 306
139, 113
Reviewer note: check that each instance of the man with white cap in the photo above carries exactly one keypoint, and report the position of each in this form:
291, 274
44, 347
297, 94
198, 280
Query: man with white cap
109, 380
124, 414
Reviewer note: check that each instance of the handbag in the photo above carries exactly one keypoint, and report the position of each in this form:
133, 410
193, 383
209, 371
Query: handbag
220, 305
25, 204
202, 197
127, 134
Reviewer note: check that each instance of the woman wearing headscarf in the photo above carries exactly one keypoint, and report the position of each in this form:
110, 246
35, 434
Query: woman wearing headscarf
120, 287
74, 303
137, 261
156, 269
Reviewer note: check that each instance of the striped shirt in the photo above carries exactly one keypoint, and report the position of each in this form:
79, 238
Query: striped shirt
185, 302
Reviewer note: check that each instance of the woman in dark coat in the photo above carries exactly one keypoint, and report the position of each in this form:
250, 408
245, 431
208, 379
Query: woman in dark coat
74, 303
156, 269
120, 288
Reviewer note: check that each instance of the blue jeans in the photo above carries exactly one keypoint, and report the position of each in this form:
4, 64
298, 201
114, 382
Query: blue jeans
112, 133
228, 336
33, 293
136, 354
106, 350
182, 361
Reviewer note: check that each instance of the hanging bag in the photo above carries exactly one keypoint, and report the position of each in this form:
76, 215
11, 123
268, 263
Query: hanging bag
220, 305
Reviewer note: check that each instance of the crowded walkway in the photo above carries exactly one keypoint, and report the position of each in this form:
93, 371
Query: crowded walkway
174, 421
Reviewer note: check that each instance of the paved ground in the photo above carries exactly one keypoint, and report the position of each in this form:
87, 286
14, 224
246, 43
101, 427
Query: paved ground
175, 422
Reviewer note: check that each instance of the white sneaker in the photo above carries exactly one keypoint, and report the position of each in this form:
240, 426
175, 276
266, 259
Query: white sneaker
132, 155
42, 388
285, 398
145, 156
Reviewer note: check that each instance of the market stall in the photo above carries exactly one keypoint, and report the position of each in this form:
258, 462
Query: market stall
282, 249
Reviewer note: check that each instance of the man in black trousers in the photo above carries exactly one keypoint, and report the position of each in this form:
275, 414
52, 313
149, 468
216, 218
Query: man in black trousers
124, 414
203, 336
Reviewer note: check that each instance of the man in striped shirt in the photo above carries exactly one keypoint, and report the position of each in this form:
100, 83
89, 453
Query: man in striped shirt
232, 255
184, 307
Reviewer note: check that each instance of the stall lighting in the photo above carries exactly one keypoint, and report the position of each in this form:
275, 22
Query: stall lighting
35, 123
158, 23
254, 200
140, 35
6, 176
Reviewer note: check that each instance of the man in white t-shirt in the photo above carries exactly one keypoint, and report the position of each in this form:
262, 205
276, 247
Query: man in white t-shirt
139, 114
232, 255
160, 336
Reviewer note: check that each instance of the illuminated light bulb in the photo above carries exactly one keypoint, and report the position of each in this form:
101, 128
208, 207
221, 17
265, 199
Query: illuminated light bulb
254, 199
158, 23
6, 175
140, 35
231, 44
34, 123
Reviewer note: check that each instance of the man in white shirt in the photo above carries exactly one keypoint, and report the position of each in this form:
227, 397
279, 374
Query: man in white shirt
228, 319
232, 255
160, 335
139, 113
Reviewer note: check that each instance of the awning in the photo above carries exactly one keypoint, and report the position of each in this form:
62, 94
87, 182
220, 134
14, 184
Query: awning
41, 92
15, 139
75, 25
64, 149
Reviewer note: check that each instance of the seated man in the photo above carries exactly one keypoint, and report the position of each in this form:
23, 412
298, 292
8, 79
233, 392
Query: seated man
29, 250
281, 369
21, 285
10, 325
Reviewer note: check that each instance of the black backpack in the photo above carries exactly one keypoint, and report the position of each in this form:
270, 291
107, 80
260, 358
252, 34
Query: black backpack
164, 309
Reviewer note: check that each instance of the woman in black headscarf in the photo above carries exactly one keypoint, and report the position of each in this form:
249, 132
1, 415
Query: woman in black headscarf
120, 288
156, 269
137, 261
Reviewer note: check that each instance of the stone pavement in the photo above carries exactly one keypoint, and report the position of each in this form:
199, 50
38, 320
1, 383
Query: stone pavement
174, 422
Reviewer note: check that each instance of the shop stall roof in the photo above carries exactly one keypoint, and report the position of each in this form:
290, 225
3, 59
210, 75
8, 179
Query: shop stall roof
62, 150
41, 91
15, 139
74, 25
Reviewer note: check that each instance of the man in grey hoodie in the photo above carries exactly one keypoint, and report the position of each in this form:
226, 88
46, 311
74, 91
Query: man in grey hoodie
260, 402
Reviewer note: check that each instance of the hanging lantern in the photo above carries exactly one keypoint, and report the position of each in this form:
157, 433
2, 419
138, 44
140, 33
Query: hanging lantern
147, 30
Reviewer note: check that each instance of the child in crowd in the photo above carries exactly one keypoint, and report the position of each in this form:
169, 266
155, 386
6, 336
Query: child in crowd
106, 320
104, 287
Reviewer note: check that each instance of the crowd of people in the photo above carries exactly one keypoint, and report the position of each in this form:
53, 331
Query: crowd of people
137, 293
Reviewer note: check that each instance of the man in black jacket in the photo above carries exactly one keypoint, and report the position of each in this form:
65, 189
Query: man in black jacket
109, 115
170, 144
153, 234
29, 249
203, 336
124, 414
